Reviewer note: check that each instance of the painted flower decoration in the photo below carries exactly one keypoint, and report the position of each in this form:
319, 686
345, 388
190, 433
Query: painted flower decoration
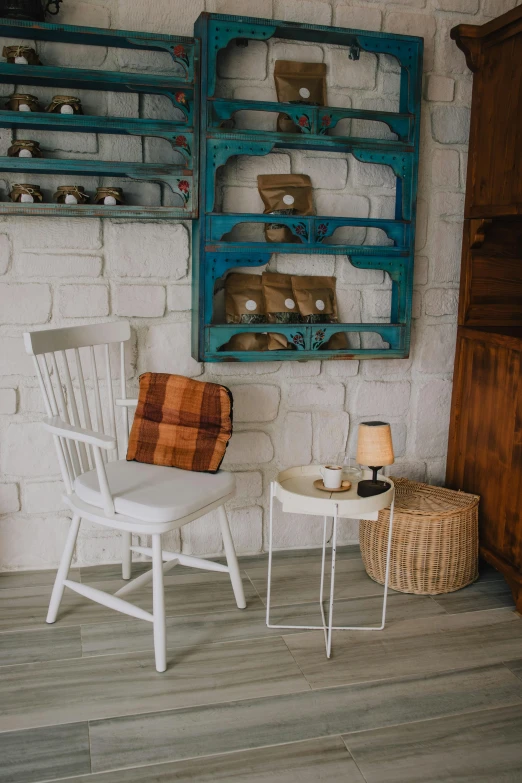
181, 141
179, 51
297, 339
180, 98
322, 228
326, 121
300, 229
184, 186
303, 121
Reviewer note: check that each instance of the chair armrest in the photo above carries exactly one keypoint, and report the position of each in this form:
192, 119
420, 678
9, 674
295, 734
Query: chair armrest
127, 403
58, 426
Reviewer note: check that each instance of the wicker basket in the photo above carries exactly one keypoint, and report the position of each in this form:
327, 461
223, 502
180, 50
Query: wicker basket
434, 540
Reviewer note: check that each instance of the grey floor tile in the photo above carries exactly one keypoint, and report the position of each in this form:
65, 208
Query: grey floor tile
44, 754
51, 643
96, 687
184, 594
515, 667
425, 645
482, 747
484, 594
193, 630
102, 573
325, 760
250, 723
12, 579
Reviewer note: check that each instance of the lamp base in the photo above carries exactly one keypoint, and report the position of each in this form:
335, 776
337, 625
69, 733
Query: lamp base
369, 487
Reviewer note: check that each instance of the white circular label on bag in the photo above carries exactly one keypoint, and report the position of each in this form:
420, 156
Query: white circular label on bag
66, 109
110, 201
288, 199
27, 198
24, 107
304, 92
319, 304
70, 199
251, 305
25, 154
21, 60
290, 304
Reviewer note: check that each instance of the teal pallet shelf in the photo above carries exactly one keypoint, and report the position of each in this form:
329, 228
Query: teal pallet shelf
180, 88
215, 250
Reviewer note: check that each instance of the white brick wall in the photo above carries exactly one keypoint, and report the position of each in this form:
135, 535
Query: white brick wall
60, 272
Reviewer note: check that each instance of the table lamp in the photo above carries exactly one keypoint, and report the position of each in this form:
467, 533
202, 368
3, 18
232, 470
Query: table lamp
375, 449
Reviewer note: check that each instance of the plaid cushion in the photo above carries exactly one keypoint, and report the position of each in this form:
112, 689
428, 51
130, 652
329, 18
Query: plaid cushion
181, 423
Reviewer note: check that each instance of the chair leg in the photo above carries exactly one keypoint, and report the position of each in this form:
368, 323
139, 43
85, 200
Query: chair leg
63, 570
158, 603
126, 556
230, 552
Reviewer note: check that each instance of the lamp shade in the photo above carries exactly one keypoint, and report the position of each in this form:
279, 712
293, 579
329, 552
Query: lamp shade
374, 444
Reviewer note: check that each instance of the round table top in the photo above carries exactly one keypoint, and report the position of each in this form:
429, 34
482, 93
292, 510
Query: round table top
295, 489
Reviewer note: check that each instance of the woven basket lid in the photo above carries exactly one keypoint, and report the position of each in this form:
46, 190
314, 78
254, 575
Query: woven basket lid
412, 497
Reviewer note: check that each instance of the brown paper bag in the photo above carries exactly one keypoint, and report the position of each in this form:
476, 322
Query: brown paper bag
280, 305
298, 83
244, 303
315, 297
246, 341
284, 194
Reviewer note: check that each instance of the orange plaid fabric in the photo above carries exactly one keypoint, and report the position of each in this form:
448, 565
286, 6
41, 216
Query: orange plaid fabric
181, 423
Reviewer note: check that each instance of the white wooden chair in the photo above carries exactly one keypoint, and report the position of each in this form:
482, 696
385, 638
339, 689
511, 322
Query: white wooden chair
101, 486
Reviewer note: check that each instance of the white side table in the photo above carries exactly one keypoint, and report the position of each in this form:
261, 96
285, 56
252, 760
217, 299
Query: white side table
294, 488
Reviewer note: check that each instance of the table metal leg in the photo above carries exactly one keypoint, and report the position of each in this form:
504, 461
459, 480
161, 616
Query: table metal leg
332, 585
269, 582
387, 573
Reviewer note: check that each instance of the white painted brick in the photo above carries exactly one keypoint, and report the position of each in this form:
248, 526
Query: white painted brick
122, 148
53, 265
423, 25
66, 142
179, 297
147, 249
438, 348
235, 62
25, 303
351, 275
7, 401
308, 11
420, 270
308, 395
449, 205
297, 52
440, 88
450, 124
203, 536
295, 264
242, 200
263, 8
437, 472
120, 104
341, 368
96, 544
445, 260
72, 55
325, 172
421, 225
388, 399
9, 502
300, 369
441, 301
459, 6
246, 526
258, 402
358, 17
42, 497
173, 18
355, 74
376, 304
246, 448
330, 435
5, 253
372, 175
68, 234
248, 167
416, 304
32, 542
433, 409
28, 450
142, 301
379, 369
31, 400
445, 168
295, 440
85, 12
167, 349
13, 358
249, 484
498, 7
349, 305
448, 57
218, 369
256, 119
83, 301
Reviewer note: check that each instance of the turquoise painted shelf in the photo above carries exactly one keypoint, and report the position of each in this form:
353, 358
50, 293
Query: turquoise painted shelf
179, 88
215, 249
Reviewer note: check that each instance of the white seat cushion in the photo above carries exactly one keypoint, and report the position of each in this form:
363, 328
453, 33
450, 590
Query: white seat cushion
153, 493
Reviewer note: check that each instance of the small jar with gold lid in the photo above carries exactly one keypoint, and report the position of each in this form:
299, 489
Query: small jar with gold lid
21, 55
71, 194
26, 194
22, 102
109, 196
65, 104
25, 149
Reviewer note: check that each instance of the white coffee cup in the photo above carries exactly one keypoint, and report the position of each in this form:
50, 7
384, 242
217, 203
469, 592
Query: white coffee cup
332, 476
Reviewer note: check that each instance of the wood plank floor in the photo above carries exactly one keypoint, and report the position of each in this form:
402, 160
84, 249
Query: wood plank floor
435, 697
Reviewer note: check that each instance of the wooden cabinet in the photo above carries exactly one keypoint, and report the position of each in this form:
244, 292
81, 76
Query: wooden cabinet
485, 441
